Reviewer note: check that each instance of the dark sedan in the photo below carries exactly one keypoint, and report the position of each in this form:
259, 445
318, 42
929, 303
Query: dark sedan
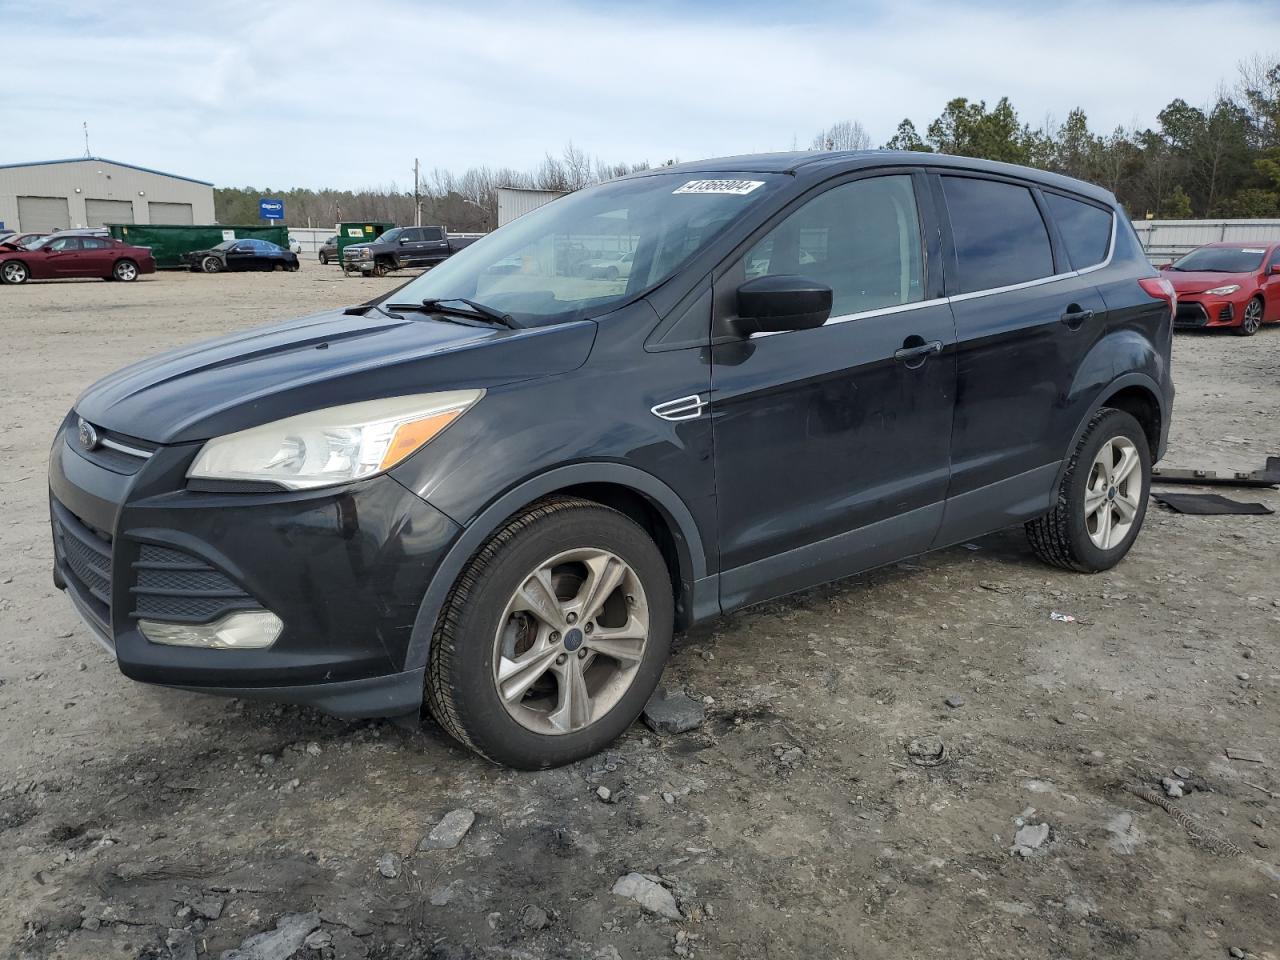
242, 255
329, 249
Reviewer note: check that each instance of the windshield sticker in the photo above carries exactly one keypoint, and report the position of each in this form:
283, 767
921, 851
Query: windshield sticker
735, 187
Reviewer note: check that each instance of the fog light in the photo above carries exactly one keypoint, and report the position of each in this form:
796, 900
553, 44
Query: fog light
242, 630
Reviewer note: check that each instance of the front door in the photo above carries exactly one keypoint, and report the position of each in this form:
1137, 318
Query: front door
64, 257
242, 256
832, 445
1270, 287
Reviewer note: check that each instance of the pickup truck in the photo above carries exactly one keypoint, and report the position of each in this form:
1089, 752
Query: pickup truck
403, 247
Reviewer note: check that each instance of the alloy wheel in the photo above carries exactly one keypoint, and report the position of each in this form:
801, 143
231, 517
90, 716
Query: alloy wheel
1113, 493
1252, 317
126, 271
14, 272
570, 641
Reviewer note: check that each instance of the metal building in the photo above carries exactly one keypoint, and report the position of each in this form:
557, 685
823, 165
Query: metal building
91, 191
517, 201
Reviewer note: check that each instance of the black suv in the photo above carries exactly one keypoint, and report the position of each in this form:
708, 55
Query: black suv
501, 487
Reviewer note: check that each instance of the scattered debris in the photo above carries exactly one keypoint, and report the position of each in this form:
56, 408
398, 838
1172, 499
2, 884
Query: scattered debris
649, 892
284, 941
1182, 773
1195, 831
1249, 756
955, 701
1209, 505
181, 944
389, 865
1270, 793
1062, 617
1172, 788
208, 908
1029, 839
1125, 837
605, 794
448, 833
928, 752
1268, 476
672, 711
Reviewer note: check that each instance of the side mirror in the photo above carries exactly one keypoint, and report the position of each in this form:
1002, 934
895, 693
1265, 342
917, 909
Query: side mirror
1164, 266
773, 304
1275, 268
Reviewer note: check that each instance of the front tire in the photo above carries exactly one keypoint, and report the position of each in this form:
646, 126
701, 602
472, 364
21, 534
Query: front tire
1252, 319
14, 271
211, 265
553, 638
1102, 499
324, 259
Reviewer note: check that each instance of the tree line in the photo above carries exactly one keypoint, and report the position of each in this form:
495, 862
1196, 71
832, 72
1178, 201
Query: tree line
1221, 159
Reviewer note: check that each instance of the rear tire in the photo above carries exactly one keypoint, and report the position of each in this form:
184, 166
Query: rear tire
125, 271
486, 628
1251, 320
1102, 499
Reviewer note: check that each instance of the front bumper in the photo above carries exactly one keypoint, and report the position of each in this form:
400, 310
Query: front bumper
1198, 311
345, 569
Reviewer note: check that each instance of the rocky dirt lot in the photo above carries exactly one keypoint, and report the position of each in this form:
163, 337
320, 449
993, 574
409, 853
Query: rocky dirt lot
795, 822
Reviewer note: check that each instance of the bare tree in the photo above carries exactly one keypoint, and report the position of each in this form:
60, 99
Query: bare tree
845, 135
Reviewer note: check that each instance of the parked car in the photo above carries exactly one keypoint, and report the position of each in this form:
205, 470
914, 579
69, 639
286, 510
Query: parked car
74, 254
403, 247
25, 241
242, 255
329, 250
502, 491
1234, 285
613, 266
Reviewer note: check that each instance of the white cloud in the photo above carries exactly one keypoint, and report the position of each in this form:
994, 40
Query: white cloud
348, 93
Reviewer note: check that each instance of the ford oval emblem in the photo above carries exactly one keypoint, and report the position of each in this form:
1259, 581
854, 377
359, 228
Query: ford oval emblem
88, 435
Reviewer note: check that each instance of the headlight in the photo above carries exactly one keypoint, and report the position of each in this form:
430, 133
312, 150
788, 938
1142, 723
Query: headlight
336, 445
365, 254
1223, 291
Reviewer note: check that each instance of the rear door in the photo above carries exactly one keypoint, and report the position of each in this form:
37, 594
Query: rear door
832, 444
435, 246
97, 256
1025, 319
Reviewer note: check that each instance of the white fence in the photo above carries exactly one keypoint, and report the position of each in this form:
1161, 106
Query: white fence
309, 240
1165, 240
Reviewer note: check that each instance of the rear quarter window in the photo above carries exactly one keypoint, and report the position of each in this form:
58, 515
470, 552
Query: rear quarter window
1085, 229
1000, 237
430, 234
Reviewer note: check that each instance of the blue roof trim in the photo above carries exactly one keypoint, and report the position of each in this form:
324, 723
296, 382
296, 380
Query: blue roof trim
131, 166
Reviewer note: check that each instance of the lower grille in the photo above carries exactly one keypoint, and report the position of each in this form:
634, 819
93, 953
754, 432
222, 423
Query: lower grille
1190, 314
176, 587
84, 555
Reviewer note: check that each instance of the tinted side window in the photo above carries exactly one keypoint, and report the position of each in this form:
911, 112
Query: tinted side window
65, 243
999, 234
1085, 229
431, 233
94, 243
861, 239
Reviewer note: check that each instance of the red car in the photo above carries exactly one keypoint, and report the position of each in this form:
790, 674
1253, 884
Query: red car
1234, 285
75, 255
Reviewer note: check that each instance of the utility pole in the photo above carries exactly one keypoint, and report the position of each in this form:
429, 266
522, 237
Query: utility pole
87, 154
417, 195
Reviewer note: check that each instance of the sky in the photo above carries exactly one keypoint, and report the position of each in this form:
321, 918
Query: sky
274, 94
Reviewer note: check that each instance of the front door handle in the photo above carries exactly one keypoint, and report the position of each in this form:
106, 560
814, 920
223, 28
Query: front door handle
916, 355
1076, 317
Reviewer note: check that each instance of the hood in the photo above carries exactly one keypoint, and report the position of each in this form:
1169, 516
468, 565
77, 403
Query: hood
250, 378
1197, 282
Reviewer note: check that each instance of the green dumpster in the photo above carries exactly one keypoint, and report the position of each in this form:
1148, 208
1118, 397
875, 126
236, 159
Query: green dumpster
359, 231
170, 242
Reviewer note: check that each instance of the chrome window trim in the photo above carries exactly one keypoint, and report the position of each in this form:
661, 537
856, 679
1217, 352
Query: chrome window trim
125, 449
1039, 281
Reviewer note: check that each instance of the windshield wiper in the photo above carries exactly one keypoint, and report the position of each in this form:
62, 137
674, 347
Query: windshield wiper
472, 310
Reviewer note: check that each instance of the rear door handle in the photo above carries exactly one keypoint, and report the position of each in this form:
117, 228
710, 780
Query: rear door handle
915, 356
1075, 317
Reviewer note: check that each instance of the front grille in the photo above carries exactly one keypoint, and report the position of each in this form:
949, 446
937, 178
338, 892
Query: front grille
175, 586
84, 555
1190, 314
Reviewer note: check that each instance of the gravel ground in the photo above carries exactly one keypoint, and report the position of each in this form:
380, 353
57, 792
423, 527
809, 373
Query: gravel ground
796, 822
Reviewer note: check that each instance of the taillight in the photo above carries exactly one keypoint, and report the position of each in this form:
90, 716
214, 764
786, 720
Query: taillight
1161, 289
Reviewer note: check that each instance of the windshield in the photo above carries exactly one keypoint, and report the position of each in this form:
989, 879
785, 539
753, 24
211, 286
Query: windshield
1222, 260
389, 235
546, 266
226, 245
